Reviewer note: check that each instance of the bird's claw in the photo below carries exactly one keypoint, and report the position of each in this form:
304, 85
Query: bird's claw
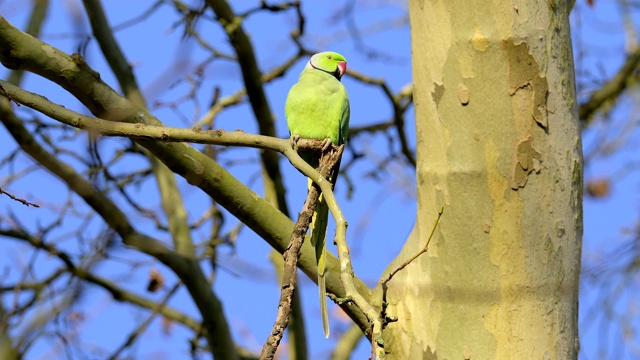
294, 141
326, 143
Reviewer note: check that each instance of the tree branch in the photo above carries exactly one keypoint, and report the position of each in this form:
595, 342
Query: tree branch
18, 50
252, 78
347, 344
117, 220
145, 324
116, 292
609, 93
23, 201
219, 138
328, 162
398, 110
172, 202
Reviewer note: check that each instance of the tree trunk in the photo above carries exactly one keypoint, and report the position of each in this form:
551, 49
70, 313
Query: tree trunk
498, 145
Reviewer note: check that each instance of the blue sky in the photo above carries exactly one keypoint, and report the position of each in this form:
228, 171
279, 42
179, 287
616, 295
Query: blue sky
163, 65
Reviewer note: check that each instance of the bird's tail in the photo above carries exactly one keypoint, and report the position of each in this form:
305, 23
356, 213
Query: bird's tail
318, 241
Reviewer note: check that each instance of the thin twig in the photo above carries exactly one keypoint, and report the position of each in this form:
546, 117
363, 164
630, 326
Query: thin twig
386, 280
18, 199
291, 255
117, 293
399, 103
424, 250
145, 324
609, 93
252, 79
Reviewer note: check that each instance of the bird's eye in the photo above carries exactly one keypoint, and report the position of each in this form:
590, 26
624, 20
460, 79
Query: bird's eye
329, 57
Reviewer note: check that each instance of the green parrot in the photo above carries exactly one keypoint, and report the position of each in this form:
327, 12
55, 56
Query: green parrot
317, 108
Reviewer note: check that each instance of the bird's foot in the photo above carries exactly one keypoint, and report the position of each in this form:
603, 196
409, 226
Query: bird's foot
294, 141
326, 144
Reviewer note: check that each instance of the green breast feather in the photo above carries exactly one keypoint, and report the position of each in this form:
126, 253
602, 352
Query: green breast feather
318, 107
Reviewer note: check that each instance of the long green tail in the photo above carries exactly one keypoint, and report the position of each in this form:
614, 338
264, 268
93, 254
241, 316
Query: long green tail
318, 240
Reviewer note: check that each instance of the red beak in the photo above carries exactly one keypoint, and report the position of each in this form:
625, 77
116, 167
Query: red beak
342, 67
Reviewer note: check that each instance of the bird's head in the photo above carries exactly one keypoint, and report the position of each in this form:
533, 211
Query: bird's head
329, 62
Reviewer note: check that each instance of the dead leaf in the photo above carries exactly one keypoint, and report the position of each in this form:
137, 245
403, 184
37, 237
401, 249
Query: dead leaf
598, 188
156, 280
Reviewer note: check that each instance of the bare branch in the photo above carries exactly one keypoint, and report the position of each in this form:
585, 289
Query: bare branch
116, 292
384, 281
214, 137
252, 78
609, 93
399, 103
25, 202
145, 324
328, 162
